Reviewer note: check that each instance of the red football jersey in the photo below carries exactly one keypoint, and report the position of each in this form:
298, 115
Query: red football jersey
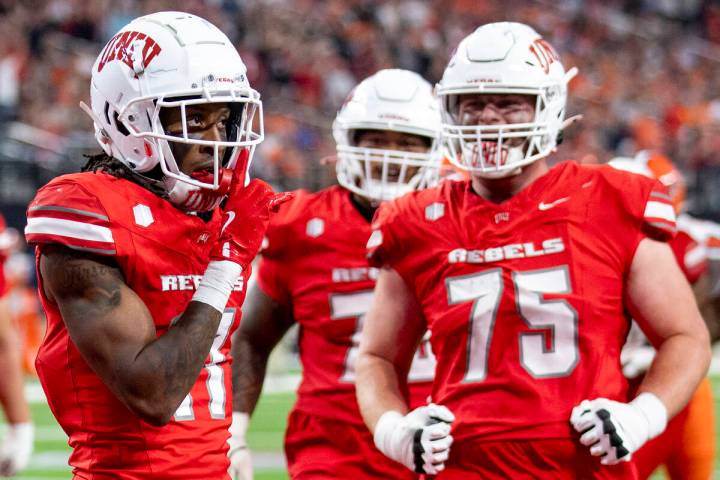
162, 253
696, 245
524, 298
315, 260
690, 255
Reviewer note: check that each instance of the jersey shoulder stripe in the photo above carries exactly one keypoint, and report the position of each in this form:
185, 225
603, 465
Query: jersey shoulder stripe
63, 212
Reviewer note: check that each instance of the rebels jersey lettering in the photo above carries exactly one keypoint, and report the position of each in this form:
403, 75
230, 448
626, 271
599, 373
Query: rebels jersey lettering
315, 260
524, 298
162, 253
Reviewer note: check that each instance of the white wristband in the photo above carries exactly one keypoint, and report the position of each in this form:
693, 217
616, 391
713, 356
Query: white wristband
217, 284
24, 430
654, 412
384, 429
239, 425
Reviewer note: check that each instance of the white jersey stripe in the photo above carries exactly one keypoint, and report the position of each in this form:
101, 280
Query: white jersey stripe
695, 256
660, 210
663, 196
68, 228
664, 226
55, 208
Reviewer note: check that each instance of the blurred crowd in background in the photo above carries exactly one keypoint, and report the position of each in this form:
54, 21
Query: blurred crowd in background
649, 76
649, 79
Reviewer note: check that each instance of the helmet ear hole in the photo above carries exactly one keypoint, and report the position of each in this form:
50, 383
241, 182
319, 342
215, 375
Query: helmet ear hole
107, 110
119, 125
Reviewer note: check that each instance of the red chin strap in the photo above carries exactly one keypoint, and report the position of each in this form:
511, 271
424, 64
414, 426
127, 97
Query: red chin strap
205, 199
241, 165
226, 176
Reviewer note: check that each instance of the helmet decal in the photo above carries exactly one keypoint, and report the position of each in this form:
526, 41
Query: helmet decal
117, 49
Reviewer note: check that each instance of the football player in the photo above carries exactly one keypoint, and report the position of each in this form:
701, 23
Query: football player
314, 272
17, 445
524, 275
141, 275
687, 447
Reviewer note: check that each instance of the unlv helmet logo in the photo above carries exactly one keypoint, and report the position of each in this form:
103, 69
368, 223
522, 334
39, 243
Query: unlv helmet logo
118, 49
545, 53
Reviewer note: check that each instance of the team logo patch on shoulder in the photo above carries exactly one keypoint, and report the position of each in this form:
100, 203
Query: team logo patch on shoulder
434, 211
315, 227
143, 215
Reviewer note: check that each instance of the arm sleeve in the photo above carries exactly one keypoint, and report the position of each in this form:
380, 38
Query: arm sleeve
67, 214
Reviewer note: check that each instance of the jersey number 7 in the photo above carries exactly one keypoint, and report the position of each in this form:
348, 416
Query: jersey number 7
355, 305
215, 379
557, 317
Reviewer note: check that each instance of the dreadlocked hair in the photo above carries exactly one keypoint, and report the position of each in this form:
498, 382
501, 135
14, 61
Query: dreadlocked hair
112, 166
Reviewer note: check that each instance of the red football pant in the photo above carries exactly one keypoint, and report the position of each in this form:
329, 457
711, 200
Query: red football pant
529, 459
320, 448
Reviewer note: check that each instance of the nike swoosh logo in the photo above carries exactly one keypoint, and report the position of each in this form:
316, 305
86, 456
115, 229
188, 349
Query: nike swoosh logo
548, 206
231, 217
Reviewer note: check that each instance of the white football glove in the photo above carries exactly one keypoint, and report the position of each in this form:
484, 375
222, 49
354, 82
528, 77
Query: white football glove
636, 361
419, 440
614, 430
240, 459
16, 449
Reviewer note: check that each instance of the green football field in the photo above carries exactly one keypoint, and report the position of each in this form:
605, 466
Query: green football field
265, 438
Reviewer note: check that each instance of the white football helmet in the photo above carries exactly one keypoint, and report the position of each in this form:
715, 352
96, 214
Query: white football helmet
165, 60
503, 58
395, 100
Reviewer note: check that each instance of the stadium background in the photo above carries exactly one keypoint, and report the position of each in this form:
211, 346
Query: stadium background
649, 79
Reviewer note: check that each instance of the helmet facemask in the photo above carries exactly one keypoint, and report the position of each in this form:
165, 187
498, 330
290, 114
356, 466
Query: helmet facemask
380, 174
387, 135
500, 150
201, 191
